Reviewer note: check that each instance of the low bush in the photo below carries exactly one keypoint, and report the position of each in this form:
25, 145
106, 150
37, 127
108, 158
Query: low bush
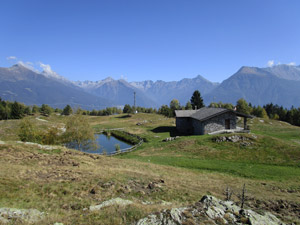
27, 131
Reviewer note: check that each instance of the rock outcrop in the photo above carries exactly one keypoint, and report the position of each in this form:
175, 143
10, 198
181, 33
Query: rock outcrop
12, 216
210, 210
233, 138
114, 201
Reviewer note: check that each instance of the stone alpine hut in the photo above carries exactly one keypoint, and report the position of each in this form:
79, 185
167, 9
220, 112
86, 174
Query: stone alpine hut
208, 120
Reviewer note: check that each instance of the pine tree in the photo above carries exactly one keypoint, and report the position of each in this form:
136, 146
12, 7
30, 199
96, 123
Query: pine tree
67, 110
17, 110
127, 109
196, 100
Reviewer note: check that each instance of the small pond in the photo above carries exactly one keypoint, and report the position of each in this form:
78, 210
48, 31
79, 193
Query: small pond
107, 144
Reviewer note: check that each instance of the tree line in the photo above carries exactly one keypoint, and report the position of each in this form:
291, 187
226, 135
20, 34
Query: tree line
16, 110
196, 102
13, 110
270, 110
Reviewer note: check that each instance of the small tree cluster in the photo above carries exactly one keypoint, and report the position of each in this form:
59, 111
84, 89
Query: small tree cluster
259, 112
78, 134
291, 115
243, 107
13, 110
195, 103
165, 110
103, 112
131, 109
145, 110
29, 132
127, 109
46, 110
272, 111
221, 105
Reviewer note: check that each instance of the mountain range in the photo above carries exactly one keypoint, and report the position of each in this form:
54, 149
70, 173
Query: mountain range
278, 84
30, 87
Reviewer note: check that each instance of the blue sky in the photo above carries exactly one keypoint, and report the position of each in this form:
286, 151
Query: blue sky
154, 39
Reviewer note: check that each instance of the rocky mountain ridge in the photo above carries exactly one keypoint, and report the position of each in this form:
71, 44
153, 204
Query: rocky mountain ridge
154, 92
278, 84
31, 87
260, 86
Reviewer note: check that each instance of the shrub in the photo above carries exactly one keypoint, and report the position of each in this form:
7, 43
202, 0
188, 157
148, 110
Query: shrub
27, 131
52, 137
79, 134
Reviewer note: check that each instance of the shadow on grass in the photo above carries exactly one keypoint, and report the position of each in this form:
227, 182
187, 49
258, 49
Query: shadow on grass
167, 129
124, 116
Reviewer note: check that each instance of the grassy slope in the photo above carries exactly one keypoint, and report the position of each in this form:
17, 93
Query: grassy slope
273, 157
191, 166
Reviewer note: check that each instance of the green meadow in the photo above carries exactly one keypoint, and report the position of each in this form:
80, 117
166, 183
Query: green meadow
60, 181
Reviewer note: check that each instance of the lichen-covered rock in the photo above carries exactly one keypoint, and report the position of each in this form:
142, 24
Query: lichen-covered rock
167, 217
114, 201
10, 215
210, 210
233, 138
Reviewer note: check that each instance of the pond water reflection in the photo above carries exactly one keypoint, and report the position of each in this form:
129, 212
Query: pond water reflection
107, 144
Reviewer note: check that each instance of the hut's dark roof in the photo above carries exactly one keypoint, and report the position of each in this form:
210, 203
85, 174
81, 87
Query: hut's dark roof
184, 113
206, 113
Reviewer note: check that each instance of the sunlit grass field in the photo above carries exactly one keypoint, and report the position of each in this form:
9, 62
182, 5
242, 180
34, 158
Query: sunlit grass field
191, 166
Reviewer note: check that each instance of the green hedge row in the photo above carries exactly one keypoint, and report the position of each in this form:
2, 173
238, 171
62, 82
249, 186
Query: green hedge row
123, 136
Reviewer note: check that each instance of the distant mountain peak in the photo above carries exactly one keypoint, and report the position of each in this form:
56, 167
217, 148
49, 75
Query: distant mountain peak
108, 79
32, 87
252, 71
247, 69
19, 66
200, 77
